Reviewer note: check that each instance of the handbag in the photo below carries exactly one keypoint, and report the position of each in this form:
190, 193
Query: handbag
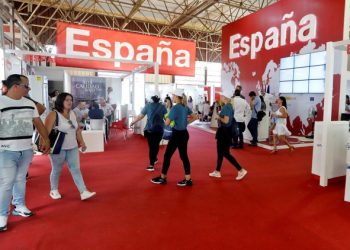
167, 133
56, 138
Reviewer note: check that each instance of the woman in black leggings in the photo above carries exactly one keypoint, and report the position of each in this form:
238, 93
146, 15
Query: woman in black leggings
155, 112
223, 137
178, 115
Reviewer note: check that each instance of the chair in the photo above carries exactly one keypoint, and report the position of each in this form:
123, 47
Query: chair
121, 125
99, 124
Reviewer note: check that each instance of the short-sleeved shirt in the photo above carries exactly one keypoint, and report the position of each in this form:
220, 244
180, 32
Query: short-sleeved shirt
96, 114
16, 123
226, 111
149, 109
256, 107
178, 114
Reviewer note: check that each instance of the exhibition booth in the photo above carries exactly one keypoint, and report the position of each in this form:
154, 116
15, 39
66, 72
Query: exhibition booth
300, 52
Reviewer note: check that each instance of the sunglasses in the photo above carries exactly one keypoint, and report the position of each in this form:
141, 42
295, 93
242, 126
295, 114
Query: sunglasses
71, 124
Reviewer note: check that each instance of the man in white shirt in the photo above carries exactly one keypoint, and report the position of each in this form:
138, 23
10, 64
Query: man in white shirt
81, 113
17, 116
240, 107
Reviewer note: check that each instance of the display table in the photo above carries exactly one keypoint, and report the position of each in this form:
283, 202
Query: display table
94, 140
335, 158
263, 128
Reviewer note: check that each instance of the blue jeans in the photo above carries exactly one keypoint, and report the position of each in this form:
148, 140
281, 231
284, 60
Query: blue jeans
73, 162
13, 169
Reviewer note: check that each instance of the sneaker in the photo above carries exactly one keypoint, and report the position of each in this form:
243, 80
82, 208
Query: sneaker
150, 168
185, 182
55, 194
241, 174
86, 195
3, 223
215, 174
158, 180
22, 211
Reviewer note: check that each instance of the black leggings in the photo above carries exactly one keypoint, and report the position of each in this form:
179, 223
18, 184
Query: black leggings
223, 149
153, 140
178, 140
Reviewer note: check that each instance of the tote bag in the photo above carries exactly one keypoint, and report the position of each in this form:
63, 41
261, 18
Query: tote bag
56, 139
167, 133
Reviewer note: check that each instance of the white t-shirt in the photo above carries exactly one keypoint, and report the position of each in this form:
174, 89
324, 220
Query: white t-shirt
68, 126
107, 110
16, 123
240, 107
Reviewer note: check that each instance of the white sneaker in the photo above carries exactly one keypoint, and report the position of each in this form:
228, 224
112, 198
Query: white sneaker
215, 174
86, 195
22, 211
55, 194
3, 223
241, 174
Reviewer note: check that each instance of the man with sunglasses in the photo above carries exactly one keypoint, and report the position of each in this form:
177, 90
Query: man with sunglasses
17, 116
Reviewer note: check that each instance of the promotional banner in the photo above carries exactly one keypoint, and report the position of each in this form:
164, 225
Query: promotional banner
87, 88
253, 46
175, 57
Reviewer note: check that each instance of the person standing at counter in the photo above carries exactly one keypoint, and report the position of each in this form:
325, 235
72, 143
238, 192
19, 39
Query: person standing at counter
179, 140
153, 131
255, 105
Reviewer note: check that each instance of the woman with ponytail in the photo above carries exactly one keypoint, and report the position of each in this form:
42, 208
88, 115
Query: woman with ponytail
178, 115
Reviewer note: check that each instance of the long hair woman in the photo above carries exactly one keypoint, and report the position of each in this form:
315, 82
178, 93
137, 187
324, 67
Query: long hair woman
181, 115
153, 131
281, 130
223, 139
67, 123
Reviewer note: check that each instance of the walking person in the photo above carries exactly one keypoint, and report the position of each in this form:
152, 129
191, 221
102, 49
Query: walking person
179, 140
153, 131
18, 115
280, 130
223, 139
67, 123
255, 105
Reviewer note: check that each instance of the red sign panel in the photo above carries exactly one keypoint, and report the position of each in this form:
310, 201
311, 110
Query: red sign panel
348, 50
253, 46
175, 57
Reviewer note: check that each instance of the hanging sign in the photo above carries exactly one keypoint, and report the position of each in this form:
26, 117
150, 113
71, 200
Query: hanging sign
175, 57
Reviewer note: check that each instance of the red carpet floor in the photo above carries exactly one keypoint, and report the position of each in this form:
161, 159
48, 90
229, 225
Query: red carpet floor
278, 206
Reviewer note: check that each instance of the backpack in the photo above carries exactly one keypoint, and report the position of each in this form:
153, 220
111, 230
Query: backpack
260, 114
156, 120
263, 104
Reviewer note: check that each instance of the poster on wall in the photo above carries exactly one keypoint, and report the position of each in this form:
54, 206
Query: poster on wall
253, 46
88, 88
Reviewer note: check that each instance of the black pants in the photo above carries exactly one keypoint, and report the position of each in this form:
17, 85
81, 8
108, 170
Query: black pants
223, 143
153, 139
253, 129
241, 129
178, 140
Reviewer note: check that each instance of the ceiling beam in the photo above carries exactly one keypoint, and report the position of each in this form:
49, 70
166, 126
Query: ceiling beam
189, 14
134, 10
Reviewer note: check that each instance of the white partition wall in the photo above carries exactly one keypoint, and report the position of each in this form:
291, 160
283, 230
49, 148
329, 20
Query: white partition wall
330, 130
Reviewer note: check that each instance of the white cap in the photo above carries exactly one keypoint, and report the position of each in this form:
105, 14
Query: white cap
226, 94
178, 92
